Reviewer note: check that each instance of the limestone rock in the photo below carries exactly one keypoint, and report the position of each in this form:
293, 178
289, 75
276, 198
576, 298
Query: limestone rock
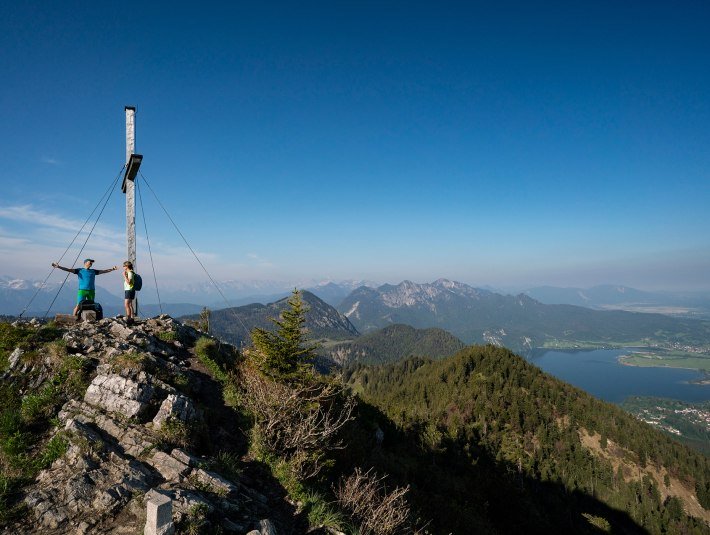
118, 394
14, 357
114, 453
186, 458
135, 440
175, 406
88, 315
215, 482
169, 467
91, 481
266, 527
119, 331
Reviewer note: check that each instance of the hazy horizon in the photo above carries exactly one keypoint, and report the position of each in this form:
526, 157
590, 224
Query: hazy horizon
268, 287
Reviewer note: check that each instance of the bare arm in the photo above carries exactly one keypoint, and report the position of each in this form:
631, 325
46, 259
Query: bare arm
55, 265
109, 270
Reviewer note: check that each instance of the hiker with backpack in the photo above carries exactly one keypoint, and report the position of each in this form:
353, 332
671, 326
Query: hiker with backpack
87, 288
129, 289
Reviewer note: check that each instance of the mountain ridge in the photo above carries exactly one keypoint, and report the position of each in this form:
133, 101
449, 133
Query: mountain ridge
234, 324
519, 322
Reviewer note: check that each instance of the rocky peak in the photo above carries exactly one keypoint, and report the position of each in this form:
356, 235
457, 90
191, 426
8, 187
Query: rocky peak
148, 424
408, 293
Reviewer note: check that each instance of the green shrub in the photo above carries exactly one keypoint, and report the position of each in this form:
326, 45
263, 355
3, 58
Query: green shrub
9, 488
227, 463
231, 393
321, 513
25, 337
174, 433
168, 336
196, 521
207, 352
286, 353
77, 379
55, 448
40, 405
25, 421
180, 381
598, 522
132, 361
702, 490
15, 446
10, 420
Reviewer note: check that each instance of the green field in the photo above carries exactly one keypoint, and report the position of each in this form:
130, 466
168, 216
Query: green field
585, 344
658, 358
575, 344
668, 359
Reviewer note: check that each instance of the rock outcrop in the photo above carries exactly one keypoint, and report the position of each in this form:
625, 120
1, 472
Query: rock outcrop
131, 437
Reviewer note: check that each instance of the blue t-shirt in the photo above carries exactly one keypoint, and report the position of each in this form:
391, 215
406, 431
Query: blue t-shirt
86, 278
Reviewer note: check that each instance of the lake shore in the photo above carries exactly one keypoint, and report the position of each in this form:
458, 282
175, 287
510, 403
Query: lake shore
604, 374
694, 362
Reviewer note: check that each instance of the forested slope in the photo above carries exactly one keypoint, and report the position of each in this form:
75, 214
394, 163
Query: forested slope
502, 444
394, 343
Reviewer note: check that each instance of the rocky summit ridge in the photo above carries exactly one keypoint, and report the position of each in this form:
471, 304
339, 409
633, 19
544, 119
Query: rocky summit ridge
131, 435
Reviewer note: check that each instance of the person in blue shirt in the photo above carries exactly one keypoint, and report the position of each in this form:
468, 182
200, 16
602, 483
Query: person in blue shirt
87, 289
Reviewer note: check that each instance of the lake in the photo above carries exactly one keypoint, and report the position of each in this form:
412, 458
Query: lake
599, 373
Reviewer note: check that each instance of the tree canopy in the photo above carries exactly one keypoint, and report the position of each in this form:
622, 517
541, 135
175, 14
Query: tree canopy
286, 351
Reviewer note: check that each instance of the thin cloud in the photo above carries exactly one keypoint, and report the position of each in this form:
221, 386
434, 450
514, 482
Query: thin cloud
26, 213
9, 243
259, 260
34, 237
51, 161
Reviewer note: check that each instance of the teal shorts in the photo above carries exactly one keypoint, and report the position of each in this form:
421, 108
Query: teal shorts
83, 295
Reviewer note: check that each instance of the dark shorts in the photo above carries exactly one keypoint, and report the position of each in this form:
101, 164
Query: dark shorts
129, 294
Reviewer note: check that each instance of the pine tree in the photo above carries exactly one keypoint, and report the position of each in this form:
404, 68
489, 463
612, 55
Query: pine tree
287, 351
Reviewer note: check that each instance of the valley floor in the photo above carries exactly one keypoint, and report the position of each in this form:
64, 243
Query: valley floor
668, 359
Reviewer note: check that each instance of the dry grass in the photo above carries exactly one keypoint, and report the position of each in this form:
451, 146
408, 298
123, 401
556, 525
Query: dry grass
378, 512
299, 422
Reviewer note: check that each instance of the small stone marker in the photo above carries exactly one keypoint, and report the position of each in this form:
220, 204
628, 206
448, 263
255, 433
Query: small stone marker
160, 516
266, 527
88, 315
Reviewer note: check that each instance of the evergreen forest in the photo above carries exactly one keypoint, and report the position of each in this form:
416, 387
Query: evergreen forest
485, 439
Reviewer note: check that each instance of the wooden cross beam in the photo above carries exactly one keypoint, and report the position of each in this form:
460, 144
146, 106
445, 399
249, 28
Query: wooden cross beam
133, 163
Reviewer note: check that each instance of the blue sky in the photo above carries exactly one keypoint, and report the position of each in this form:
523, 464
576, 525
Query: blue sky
509, 144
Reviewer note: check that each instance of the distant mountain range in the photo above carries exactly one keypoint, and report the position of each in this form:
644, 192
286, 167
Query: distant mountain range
239, 293
234, 324
518, 322
474, 315
342, 344
624, 298
16, 293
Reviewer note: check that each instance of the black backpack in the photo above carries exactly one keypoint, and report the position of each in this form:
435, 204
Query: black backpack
137, 282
